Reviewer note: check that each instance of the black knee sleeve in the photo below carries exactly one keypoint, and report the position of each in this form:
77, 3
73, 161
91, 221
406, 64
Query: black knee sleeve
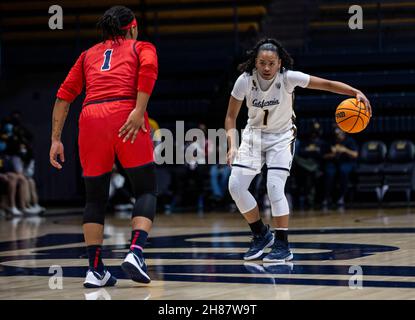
145, 206
144, 185
97, 193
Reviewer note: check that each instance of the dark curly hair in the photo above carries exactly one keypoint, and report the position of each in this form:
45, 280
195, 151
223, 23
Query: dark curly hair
113, 20
271, 45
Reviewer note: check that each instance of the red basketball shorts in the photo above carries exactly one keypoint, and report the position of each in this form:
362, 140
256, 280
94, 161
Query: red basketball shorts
99, 142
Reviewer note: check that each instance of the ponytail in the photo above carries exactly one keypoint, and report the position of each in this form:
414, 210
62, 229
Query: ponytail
113, 21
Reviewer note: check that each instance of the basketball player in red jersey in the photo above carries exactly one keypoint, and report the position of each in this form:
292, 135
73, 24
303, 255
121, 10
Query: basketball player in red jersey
119, 75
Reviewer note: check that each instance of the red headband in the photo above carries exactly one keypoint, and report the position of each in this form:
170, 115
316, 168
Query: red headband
131, 24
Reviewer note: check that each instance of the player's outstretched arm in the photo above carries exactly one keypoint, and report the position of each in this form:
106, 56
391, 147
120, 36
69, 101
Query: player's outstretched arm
340, 88
60, 112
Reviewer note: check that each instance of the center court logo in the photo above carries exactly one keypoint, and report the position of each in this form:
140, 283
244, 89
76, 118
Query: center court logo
227, 247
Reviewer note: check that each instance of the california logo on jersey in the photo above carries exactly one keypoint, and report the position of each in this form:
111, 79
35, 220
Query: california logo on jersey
271, 110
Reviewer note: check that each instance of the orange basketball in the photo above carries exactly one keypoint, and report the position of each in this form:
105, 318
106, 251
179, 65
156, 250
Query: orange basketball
352, 116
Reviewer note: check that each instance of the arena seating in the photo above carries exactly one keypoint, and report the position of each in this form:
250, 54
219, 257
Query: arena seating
399, 169
369, 171
200, 43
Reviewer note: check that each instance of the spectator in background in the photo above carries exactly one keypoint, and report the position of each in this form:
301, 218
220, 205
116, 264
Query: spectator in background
28, 165
19, 157
8, 184
8, 180
219, 177
154, 127
24, 134
120, 197
189, 179
309, 165
340, 162
164, 173
194, 174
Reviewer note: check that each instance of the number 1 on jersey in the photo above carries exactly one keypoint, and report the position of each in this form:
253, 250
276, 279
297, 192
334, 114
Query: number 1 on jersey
265, 117
107, 60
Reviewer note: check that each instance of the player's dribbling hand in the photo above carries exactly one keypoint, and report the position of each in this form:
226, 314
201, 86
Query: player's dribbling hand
231, 155
56, 152
361, 97
131, 127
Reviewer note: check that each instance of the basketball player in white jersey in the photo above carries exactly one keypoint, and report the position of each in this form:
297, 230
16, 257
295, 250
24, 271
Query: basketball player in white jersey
267, 84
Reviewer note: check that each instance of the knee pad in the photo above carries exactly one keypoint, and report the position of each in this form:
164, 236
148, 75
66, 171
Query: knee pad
234, 188
144, 186
238, 188
145, 206
143, 179
276, 192
97, 192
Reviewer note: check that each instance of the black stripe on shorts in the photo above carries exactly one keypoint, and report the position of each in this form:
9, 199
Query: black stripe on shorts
278, 168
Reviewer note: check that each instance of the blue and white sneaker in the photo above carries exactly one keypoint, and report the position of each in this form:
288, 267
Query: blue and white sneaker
135, 267
280, 252
95, 279
254, 268
279, 267
258, 244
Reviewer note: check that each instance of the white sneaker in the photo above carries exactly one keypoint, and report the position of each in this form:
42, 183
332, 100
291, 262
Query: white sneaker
135, 267
95, 279
31, 210
39, 208
15, 212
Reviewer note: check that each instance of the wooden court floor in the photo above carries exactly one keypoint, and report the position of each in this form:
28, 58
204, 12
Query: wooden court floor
352, 254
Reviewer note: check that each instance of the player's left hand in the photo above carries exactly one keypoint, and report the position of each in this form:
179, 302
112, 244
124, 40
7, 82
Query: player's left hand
131, 127
361, 97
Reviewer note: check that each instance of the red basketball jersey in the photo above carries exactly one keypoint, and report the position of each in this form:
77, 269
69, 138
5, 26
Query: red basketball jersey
112, 71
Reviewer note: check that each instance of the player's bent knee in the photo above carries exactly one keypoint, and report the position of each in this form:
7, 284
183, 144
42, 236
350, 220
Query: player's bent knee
97, 193
144, 185
275, 186
240, 194
145, 206
94, 213
234, 188
276, 193
143, 179
280, 208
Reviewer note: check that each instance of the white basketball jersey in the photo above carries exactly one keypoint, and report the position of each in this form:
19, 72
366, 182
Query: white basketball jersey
270, 110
